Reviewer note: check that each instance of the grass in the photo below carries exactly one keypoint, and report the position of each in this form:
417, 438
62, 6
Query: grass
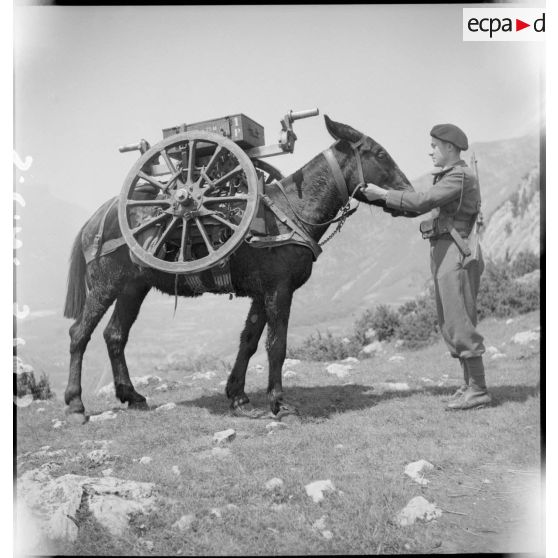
355, 435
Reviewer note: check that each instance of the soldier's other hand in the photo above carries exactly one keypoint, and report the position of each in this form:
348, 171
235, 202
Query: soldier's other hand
373, 192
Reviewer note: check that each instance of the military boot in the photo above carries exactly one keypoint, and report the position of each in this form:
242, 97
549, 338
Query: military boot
476, 395
463, 387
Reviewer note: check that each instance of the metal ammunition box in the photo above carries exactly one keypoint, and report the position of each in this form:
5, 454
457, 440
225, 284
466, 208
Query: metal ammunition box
239, 128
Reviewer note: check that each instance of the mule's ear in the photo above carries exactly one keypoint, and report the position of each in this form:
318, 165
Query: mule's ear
340, 131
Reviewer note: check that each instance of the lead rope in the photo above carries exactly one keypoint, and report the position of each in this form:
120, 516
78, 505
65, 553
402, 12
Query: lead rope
175, 294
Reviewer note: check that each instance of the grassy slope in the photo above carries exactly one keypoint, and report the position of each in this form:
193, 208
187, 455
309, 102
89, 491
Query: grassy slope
380, 434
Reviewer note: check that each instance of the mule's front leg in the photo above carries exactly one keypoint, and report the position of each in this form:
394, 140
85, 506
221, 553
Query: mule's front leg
249, 338
277, 308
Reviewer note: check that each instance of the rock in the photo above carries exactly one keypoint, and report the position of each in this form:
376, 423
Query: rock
290, 362
396, 358
145, 460
525, 337
175, 470
147, 544
162, 387
55, 501
392, 386
274, 484
107, 390
215, 512
107, 415
339, 446
289, 374
417, 469
274, 425
496, 356
370, 333
166, 407
373, 348
399, 343
107, 472
40, 409
316, 489
339, 370
486, 481
427, 380
319, 524
418, 509
345, 340
24, 401
185, 522
58, 424
509, 321
98, 456
327, 534
350, 360
224, 436
232, 507
203, 375
492, 349
223, 383
145, 380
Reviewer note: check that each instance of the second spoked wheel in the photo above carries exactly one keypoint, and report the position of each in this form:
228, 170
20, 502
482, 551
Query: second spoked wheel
188, 202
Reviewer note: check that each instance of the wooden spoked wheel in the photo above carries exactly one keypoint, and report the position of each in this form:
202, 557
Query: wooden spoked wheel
188, 202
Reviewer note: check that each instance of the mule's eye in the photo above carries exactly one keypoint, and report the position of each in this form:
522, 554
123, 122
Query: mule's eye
381, 155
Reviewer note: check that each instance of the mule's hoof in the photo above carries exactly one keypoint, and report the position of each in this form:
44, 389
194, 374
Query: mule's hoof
139, 406
247, 410
76, 418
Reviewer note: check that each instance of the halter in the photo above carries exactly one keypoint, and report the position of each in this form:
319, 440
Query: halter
340, 181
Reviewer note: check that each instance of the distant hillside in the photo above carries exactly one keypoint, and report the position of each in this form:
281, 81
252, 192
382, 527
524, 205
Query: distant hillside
515, 226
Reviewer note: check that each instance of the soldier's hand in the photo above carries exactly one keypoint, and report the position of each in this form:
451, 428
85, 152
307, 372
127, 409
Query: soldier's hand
373, 192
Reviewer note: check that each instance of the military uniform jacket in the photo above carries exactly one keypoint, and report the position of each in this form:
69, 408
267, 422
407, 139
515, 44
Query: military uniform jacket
455, 193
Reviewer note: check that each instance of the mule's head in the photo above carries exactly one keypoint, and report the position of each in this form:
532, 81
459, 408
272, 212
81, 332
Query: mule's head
377, 165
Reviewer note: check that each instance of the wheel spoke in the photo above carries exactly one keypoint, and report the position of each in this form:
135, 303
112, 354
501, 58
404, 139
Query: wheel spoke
164, 236
148, 203
183, 236
213, 159
147, 224
203, 232
238, 197
227, 176
191, 161
151, 180
224, 221
205, 179
168, 161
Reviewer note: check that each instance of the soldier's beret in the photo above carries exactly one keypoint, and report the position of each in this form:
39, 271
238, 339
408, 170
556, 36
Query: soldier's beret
451, 134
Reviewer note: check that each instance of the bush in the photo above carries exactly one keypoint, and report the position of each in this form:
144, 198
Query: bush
26, 384
524, 263
323, 347
382, 319
418, 322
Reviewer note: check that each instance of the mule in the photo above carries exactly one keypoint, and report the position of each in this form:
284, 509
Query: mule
268, 276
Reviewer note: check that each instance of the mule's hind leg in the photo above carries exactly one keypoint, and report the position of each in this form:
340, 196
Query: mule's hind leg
277, 308
96, 304
249, 338
116, 334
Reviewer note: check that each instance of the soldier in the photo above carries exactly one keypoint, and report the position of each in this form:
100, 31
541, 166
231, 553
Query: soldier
456, 266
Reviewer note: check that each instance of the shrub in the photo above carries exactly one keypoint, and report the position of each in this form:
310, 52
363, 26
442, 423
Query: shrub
323, 347
418, 323
26, 384
525, 262
382, 319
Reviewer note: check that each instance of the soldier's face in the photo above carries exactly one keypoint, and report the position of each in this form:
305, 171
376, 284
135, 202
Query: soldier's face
440, 152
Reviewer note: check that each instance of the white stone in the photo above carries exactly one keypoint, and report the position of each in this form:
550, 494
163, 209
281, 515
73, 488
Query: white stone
370, 333
144, 380
486, 481
290, 362
107, 472
418, 509
417, 469
345, 340
98, 456
496, 356
107, 415
339, 446
396, 358
327, 534
350, 360
215, 512
392, 386
147, 544
58, 424
107, 390
145, 460
23, 401
223, 383
203, 375
289, 374
399, 342
316, 489
427, 380
339, 370
175, 470
166, 407
492, 349
162, 387
224, 436
373, 348
185, 522
274, 483
40, 409
525, 337
274, 425
55, 501
320, 524
509, 321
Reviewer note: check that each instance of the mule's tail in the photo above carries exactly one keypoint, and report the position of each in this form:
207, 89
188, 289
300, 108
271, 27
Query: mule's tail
77, 289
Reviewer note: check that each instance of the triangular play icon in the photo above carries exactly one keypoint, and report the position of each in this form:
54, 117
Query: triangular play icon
519, 25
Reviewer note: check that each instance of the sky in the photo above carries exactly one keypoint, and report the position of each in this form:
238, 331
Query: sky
88, 79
